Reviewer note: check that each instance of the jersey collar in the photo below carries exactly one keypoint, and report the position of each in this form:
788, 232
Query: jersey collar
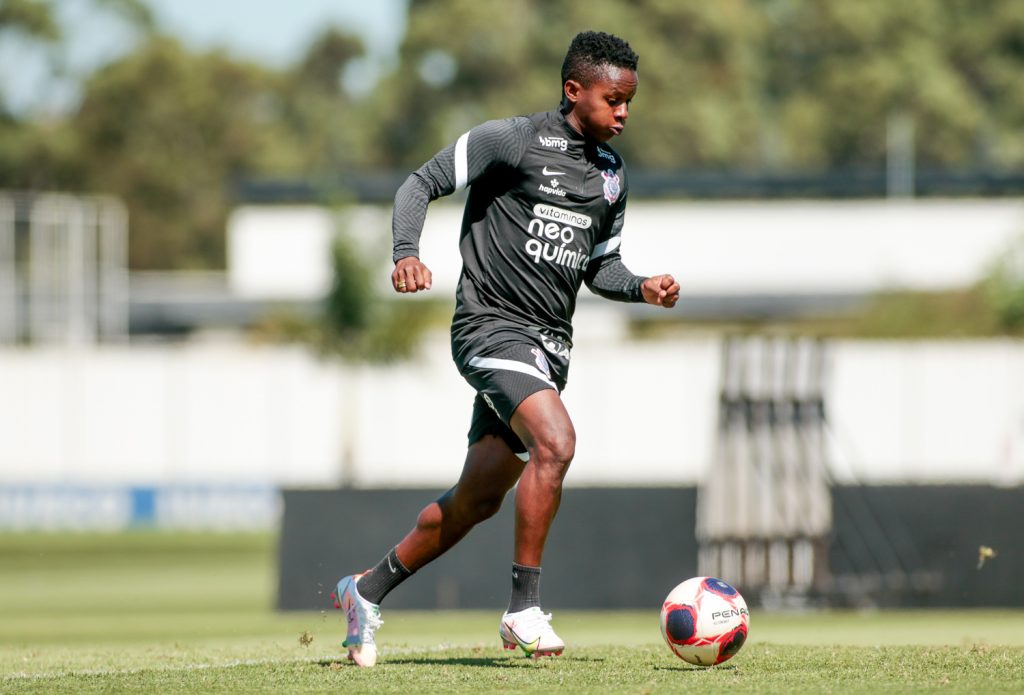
575, 137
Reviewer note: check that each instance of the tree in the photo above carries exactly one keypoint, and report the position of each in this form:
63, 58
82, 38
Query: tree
327, 125
749, 84
30, 17
167, 131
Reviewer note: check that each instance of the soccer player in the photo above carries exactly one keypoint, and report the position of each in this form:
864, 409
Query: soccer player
544, 214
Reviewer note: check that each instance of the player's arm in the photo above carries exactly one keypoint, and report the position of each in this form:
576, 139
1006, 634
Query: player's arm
491, 144
607, 276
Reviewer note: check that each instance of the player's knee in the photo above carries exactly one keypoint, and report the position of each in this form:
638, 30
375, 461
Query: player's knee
430, 517
555, 451
486, 507
470, 508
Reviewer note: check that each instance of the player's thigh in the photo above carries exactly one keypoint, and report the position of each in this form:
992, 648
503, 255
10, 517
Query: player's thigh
490, 470
543, 423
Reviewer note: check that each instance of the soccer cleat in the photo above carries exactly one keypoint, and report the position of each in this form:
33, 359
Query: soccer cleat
530, 630
363, 621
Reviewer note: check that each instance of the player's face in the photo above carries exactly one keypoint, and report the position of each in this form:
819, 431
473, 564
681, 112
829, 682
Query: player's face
601, 109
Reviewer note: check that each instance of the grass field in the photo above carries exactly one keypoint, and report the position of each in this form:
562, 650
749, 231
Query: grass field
192, 614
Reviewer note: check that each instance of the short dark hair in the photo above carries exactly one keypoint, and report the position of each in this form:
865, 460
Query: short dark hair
591, 51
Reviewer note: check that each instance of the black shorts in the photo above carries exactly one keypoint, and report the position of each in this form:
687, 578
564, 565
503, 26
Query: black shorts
505, 369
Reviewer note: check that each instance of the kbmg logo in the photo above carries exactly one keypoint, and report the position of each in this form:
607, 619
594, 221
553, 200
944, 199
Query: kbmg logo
601, 152
557, 143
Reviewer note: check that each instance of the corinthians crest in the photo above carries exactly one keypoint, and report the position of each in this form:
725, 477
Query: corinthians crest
611, 186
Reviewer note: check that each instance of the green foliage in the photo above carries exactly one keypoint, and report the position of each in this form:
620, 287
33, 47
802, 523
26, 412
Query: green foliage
166, 130
350, 301
137, 12
360, 324
762, 85
992, 308
1004, 287
31, 17
738, 84
904, 314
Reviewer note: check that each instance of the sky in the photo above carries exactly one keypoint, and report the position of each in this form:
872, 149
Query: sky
276, 32
267, 31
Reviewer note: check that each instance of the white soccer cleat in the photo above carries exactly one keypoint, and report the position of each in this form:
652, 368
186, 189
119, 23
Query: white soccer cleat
363, 621
531, 631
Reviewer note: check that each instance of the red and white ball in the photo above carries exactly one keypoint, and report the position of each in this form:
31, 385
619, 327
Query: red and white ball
704, 621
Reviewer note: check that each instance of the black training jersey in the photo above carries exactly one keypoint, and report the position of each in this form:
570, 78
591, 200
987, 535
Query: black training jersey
544, 214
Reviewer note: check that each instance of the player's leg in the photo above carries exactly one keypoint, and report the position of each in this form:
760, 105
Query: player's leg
490, 470
543, 425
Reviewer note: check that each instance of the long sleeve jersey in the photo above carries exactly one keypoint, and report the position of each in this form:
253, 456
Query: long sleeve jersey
544, 214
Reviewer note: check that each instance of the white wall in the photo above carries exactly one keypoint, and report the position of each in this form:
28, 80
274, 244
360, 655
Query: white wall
950, 410
714, 248
150, 414
782, 247
644, 412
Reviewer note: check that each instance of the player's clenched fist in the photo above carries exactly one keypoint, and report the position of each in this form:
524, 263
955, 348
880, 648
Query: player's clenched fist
410, 275
661, 290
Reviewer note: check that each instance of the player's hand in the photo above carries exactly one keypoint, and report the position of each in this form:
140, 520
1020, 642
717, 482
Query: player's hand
410, 275
661, 290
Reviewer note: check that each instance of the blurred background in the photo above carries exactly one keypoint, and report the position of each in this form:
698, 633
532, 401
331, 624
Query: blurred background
197, 335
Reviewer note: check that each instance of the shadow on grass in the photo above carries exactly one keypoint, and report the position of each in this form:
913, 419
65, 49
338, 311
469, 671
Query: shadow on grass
478, 661
681, 667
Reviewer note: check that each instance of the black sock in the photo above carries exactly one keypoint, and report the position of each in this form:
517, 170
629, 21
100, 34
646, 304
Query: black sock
378, 582
525, 588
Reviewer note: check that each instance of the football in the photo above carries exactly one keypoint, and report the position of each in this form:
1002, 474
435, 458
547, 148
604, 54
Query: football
704, 621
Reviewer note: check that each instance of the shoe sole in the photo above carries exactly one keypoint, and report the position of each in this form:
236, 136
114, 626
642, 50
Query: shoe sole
536, 654
352, 654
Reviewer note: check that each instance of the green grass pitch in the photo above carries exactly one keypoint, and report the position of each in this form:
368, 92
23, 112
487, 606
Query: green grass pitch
152, 612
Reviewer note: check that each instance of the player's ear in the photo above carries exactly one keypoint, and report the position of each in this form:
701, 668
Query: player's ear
572, 90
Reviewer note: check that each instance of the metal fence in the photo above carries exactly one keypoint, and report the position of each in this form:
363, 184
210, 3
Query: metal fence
63, 269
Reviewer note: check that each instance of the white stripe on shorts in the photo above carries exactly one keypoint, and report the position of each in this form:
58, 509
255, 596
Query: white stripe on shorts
461, 161
511, 366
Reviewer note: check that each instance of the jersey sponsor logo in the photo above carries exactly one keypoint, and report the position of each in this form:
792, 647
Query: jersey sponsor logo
542, 361
552, 172
551, 242
551, 190
556, 143
551, 212
601, 152
611, 186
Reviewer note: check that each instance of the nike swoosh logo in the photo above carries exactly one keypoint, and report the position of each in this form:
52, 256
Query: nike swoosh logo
390, 566
546, 172
528, 647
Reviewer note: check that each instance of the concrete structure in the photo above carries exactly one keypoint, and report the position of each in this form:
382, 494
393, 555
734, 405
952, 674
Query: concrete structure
645, 413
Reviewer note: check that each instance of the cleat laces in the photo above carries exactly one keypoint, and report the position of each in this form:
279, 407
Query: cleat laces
370, 623
533, 622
